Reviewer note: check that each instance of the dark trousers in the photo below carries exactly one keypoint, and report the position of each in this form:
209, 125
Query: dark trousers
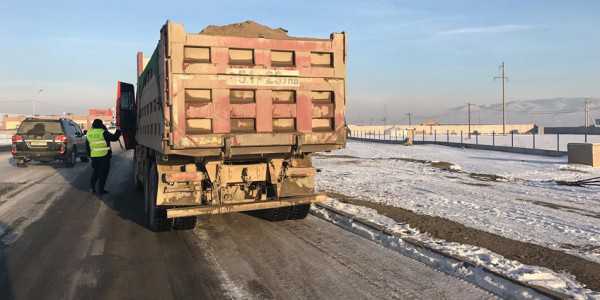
100, 167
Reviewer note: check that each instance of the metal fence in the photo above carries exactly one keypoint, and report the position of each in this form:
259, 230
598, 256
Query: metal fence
553, 142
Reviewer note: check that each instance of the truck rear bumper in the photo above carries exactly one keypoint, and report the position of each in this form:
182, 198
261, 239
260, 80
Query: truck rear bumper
239, 207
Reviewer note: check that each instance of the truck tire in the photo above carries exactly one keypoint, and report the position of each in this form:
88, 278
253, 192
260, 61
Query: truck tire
299, 212
137, 184
156, 217
71, 158
274, 214
185, 223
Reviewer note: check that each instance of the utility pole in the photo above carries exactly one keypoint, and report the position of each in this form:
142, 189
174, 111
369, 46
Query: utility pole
503, 78
409, 119
33, 102
587, 113
469, 117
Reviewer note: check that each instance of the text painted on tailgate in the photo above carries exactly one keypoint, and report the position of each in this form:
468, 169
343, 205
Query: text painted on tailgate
263, 81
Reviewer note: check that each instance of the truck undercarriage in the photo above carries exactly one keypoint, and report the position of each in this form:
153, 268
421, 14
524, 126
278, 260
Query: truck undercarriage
277, 187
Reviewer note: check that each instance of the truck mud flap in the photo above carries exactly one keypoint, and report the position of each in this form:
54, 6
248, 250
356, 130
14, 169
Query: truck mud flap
239, 207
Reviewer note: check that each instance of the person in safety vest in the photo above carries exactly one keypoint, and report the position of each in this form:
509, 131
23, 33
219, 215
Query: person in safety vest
98, 147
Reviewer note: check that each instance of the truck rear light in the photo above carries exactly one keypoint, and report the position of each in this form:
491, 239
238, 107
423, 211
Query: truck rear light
60, 139
17, 138
62, 149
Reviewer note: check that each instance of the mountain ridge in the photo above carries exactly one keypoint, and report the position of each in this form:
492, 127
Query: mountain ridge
560, 111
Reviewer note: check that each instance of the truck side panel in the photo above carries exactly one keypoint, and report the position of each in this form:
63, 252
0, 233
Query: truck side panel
150, 105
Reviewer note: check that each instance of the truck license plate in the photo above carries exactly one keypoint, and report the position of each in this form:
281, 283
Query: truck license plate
38, 143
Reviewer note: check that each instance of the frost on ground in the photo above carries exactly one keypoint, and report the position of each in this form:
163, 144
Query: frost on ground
538, 276
508, 194
26, 193
5, 139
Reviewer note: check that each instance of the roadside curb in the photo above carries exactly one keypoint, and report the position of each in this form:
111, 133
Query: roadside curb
489, 280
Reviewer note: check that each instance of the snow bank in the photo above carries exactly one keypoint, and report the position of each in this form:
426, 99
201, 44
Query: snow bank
532, 275
5, 139
507, 194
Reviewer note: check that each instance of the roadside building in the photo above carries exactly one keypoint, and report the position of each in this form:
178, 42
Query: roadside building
12, 122
81, 120
106, 115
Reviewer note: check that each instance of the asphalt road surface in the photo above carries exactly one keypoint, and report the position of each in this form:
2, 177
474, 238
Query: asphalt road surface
58, 241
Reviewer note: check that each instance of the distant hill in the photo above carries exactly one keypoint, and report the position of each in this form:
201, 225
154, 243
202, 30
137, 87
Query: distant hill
544, 112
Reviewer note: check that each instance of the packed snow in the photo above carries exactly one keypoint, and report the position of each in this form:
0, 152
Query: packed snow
533, 275
26, 193
508, 194
5, 139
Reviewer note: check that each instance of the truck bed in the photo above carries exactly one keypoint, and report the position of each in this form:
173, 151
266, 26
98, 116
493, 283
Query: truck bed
215, 95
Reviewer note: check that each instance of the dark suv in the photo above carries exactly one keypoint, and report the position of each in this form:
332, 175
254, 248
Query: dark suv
47, 140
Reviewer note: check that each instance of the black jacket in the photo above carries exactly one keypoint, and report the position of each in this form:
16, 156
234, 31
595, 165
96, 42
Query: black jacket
108, 137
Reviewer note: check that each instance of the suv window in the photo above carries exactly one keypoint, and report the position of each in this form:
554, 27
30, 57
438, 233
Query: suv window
39, 127
77, 128
68, 128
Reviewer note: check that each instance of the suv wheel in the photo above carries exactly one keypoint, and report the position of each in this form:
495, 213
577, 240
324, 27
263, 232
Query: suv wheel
21, 163
71, 158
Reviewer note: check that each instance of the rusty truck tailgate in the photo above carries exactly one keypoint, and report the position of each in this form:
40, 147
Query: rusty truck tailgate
238, 92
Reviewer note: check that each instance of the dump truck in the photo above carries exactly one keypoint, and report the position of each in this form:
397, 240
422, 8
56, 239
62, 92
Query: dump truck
226, 120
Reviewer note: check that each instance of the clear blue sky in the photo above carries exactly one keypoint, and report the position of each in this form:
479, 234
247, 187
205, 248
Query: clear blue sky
418, 56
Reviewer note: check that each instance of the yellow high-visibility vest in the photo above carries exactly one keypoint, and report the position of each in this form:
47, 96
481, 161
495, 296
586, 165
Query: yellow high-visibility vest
98, 146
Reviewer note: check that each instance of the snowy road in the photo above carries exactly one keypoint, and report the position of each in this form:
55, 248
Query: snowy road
60, 242
520, 203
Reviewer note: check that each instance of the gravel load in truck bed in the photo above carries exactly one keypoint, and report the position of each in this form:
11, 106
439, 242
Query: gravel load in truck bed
246, 29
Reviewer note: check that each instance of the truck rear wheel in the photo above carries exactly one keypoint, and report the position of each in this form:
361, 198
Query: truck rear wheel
299, 212
156, 217
137, 184
273, 214
185, 223
296, 212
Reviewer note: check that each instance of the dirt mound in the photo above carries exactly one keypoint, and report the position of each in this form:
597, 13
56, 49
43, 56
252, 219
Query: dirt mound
247, 29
